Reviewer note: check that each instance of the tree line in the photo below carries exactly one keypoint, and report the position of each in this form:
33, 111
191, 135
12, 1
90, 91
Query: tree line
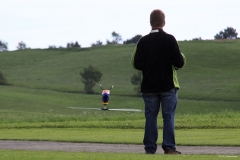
228, 33
116, 39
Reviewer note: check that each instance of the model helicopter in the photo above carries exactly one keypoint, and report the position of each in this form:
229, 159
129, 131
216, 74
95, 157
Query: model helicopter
105, 101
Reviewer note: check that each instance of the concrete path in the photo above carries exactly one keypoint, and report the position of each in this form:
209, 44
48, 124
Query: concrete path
97, 147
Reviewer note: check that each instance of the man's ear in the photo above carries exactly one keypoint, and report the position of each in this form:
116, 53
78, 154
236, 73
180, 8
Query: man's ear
164, 24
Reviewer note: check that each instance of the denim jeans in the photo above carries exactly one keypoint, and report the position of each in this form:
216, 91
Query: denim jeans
168, 102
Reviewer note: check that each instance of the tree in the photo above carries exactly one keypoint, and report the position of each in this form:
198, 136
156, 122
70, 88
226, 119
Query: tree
3, 46
52, 47
197, 39
228, 33
98, 43
116, 38
133, 40
21, 45
90, 76
3, 81
73, 45
76, 45
136, 81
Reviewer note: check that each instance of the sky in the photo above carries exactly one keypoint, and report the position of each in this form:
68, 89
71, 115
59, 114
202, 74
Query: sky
41, 23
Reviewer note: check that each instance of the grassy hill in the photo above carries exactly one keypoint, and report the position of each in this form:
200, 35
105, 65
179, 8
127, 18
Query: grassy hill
59, 69
48, 80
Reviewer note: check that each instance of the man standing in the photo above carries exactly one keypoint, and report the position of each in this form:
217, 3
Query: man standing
158, 56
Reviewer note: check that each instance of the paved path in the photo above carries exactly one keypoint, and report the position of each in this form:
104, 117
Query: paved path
97, 147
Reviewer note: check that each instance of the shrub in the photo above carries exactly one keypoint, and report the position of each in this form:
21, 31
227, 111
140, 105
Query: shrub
136, 81
90, 76
3, 81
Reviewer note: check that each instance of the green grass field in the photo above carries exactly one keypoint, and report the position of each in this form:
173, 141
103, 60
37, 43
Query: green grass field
184, 137
44, 83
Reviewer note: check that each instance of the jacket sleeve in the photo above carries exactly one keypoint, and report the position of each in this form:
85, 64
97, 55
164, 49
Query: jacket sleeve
178, 58
184, 59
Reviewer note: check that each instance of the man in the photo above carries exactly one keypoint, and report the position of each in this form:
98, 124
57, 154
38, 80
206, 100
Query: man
158, 56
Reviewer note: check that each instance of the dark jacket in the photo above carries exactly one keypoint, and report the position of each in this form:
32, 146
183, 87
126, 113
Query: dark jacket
158, 56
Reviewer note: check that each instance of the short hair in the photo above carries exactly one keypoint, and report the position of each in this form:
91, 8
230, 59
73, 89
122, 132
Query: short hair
157, 18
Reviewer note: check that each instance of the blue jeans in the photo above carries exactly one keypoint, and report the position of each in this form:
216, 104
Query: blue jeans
168, 101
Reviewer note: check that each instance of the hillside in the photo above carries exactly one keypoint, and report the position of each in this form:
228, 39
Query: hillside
59, 69
212, 68
209, 79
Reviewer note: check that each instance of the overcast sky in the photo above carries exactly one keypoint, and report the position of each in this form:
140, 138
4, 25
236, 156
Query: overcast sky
40, 23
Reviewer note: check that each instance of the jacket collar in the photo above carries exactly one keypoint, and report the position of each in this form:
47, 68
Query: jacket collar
155, 30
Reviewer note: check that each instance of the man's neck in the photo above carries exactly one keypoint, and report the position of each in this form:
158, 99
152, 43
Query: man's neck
157, 27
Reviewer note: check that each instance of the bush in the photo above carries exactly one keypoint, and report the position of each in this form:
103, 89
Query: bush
228, 33
136, 81
133, 40
90, 76
3, 46
3, 81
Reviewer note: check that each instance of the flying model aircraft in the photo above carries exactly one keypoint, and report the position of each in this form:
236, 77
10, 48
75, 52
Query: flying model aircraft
105, 101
